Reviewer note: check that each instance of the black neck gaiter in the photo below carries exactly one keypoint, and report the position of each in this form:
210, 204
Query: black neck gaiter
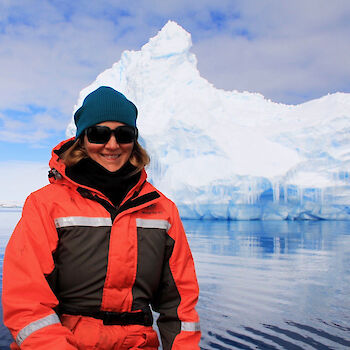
114, 185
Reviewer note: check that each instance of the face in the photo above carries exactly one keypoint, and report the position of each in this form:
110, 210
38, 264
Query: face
111, 155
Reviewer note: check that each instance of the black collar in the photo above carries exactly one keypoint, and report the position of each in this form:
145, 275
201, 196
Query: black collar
114, 185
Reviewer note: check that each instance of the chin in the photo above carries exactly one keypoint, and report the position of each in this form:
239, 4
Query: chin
112, 168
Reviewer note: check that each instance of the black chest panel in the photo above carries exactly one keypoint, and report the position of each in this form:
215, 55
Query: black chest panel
81, 262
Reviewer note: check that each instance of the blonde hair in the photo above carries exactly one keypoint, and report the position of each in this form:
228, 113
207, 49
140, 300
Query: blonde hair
139, 156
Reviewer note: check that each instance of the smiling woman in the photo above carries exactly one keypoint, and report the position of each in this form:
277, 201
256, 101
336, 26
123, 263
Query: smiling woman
100, 246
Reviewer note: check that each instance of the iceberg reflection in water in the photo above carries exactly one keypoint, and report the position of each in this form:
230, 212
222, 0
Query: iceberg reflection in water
273, 285
263, 284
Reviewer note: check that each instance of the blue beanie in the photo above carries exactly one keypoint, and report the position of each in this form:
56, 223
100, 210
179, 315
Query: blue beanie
104, 104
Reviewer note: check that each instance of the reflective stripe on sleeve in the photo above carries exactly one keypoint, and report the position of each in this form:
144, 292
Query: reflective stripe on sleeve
190, 326
149, 223
35, 326
82, 221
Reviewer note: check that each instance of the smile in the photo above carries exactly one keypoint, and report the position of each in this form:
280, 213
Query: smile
110, 156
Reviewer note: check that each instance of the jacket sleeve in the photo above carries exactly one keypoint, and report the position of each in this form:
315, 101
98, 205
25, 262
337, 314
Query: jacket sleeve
177, 295
27, 299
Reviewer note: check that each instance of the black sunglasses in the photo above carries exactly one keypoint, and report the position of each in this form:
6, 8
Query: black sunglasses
101, 134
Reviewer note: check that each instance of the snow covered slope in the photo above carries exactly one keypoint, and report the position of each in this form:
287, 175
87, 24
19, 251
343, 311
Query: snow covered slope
227, 154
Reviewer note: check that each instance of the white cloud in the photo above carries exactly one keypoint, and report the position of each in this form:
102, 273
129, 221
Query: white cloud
19, 179
288, 51
29, 129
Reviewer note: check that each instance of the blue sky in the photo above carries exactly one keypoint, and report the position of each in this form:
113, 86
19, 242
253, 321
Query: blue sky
289, 51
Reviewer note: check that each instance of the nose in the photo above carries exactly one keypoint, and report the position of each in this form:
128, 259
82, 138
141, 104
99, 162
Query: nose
112, 143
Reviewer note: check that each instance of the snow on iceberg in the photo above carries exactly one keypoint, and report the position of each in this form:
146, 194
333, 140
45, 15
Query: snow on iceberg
228, 154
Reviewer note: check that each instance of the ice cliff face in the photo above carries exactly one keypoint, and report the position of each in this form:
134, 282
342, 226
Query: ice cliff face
227, 154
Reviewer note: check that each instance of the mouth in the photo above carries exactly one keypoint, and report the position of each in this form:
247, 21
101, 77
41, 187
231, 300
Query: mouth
110, 156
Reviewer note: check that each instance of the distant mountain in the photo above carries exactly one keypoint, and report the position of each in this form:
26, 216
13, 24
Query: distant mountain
228, 154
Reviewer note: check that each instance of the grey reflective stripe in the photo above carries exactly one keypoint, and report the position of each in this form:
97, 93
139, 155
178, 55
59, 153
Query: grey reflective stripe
190, 326
148, 223
35, 326
82, 221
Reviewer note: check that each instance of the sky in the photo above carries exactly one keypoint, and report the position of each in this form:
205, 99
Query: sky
289, 51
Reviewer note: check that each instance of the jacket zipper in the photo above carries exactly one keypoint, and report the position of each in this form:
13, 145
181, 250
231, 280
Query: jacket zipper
132, 202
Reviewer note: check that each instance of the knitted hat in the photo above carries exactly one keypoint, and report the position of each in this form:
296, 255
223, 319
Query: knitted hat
104, 104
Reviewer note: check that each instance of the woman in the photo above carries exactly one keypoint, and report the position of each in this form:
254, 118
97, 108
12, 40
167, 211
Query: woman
99, 245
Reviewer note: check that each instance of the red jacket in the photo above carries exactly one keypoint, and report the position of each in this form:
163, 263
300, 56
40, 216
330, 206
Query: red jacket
72, 247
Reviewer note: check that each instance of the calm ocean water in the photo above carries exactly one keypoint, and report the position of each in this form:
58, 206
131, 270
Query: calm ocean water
264, 285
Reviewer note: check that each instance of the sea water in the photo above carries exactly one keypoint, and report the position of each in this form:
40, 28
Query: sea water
263, 284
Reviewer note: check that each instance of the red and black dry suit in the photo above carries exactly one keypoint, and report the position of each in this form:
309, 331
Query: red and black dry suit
74, 252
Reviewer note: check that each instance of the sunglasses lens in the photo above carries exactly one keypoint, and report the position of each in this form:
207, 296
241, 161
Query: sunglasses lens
125, 134
98, 134
102, 134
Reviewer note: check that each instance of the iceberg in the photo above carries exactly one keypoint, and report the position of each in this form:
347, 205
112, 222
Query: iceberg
228, 154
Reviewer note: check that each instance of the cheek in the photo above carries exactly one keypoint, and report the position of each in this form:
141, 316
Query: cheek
127, 149
91, 148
